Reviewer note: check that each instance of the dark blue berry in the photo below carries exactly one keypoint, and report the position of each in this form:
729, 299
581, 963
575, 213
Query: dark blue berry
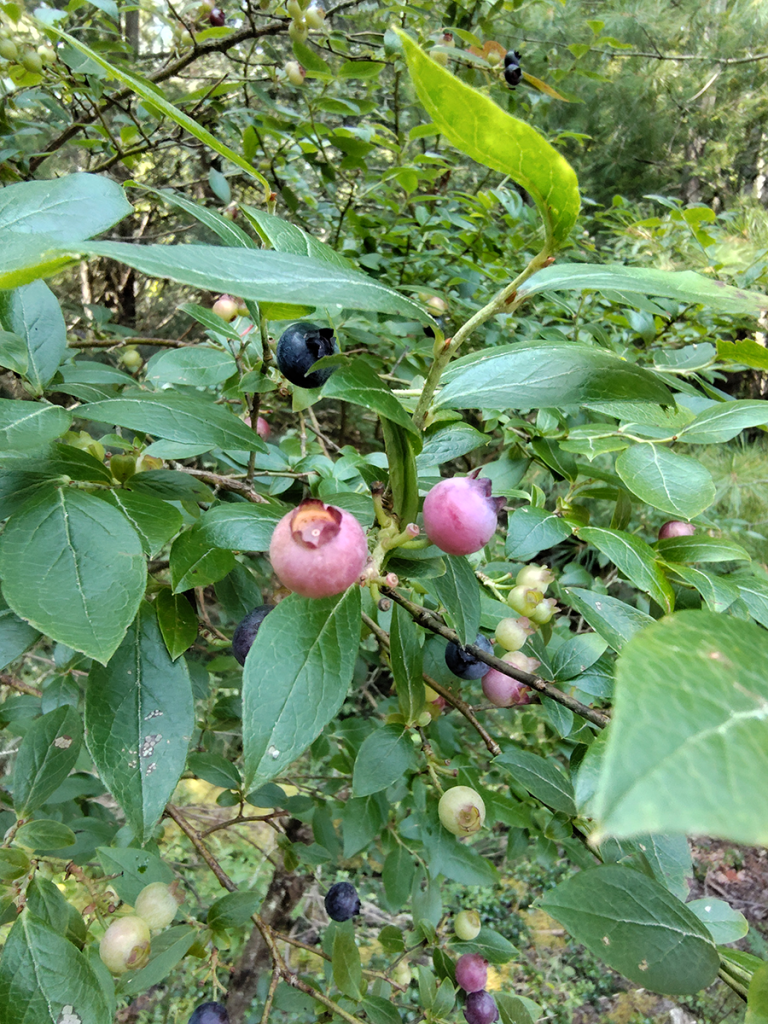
217, 18
210, 1013
342, 901
466, 665
299, 347
513, 73
246, 631
480, 1008
441, 323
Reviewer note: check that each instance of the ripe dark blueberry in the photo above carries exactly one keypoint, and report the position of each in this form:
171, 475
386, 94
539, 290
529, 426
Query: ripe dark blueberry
466, 665
210, 1013
342, 901
480, 1008
513, 73
299, 347
245, 633
441, 323
217, 18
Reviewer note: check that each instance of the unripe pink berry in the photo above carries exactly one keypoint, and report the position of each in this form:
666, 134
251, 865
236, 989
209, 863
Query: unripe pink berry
461, 811
676, 528
521, 661
263, 428
505, 692
544, 611
471, 972
318, 550
225, 307
460, 516
512, 633
524, 599
125, 945
537, 576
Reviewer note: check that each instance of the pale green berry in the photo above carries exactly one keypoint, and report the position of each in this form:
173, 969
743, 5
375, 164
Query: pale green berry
157, 905
315, 16
125, 945
466, 925
8, 49
524, 599
537, 576
512, 633
544, 611
298, 30
295, 73
461, 811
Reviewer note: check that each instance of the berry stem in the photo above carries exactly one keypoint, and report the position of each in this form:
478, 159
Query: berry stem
504, 301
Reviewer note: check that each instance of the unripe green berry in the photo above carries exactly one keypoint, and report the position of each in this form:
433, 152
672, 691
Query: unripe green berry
125, 945
402, 974
295, 73
544, 611
31, 61
8, 49
315, 16
537, 576
466, 925
131, 358
225, 307
524, 599
298, 30
294, 8
47, 54
461, 811
123, 467
157, 905
512, 633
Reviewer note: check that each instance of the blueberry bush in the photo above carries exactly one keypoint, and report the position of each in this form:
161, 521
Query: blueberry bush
371, 475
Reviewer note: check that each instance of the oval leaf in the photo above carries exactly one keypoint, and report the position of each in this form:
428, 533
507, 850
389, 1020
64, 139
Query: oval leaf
673, 483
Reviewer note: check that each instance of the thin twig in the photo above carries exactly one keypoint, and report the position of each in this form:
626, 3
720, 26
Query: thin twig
16, 684
429, 620
228, 483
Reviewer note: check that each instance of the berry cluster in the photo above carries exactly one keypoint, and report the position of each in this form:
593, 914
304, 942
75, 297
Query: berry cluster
303, 19
125, 945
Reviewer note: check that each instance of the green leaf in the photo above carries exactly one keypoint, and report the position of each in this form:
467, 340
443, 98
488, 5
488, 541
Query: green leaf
46, 756
406, 661
286, 237
723, 923
513, 1009
168, 949
698, 768
15, 636
385, 756
13, 353
155, 97
362, 820
177, 622
227, 230
194, 563
73, 567
380, 1011
544, 374
724, 421
490, 945
45, 901
744, 353
397, 875
44, 978
476, 126
211, 320
576, 655
450, 443
635, 926
296, 677
65, 209
260, 274
614, 620
33, 313
359, 383
753, 591
701, 548
215, 769
403, 479
531, 530
446, 855
718, 592
44, 834
240, 527
458, 590
170, 485
347, 969
685, 285
544, 778
636, 559
360, 69
28, 426
757, 997
666, 480
234, 910
153, 520
132, 870
187, 418
195, 365
139, 719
